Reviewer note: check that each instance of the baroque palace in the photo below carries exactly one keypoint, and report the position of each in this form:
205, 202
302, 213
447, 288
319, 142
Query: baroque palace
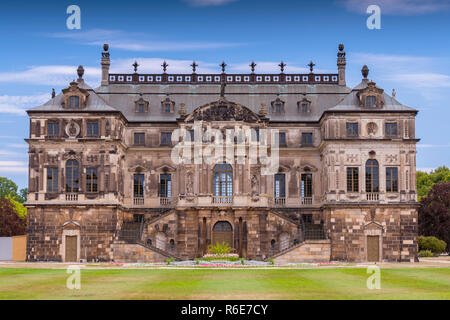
104, 184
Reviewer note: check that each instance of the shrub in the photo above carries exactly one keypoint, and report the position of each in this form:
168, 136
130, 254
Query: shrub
242, 261
170, 260
220, 248
425, 253
271, 261
432, 244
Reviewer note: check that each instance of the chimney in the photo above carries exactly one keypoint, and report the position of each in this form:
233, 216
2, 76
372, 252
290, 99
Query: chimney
341, 62
105, 65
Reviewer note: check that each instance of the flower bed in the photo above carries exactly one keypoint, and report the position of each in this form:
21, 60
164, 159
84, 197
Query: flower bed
220, 257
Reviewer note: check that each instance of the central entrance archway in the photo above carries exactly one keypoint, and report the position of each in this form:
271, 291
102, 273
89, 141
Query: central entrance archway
223, 232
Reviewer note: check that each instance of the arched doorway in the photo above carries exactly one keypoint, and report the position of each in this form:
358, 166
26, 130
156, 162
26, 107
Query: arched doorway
223, 232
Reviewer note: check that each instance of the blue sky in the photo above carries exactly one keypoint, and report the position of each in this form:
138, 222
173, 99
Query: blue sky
411, 52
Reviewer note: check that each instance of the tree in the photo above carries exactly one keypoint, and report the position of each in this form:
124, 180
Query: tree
434, 213
10, 223
9, 188
425, 181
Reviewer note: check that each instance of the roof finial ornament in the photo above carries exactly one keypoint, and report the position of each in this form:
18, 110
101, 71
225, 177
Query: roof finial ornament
252, 66
394, 93
282, 65
182, 111
164, 65
194, 66
341, 52
135, 66
365, 71
223, 65
263, 110
80, 72
53, 93
105, 53
311, 66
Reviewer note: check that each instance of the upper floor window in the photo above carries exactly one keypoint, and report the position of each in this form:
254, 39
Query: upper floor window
166, 138
72, 176
306, 185
255, 135
304, 106
282, 139
352, 129
391, 179
52, 179
307, 138
139, 139
278, 106
352, 180
280, 186
371, 101
91, 180
165, 186
372, 178
74, 102
53, 129
92, 129
167, 106
138, 186
391, 129
141, 106
223, 180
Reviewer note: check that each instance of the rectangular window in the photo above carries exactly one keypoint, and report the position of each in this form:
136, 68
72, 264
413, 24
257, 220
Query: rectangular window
167, 107
307, 138
139, 139
138, 186
280, 185
391, 129
352, 180
165, 186
141, 107
282, 139
306, 187
53, 129
91, 180
92, 129
278, 107
52, 179
391, 180
74, 102
255, 135
304, 107
352, 129
371, 102
166, 138
191, 135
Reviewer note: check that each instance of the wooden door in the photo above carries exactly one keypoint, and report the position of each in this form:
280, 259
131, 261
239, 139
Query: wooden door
373, 248
71, 248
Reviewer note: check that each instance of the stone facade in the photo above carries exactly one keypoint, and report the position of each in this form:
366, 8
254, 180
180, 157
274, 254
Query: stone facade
104, 184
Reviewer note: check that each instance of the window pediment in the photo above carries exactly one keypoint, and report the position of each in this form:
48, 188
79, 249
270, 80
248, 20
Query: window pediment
371, 96
223, 110
278, 105
304, 106
167, 106
74, 96
141, 106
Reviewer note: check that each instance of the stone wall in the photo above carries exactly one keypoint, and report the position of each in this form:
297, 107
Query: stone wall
136, 253
308, 251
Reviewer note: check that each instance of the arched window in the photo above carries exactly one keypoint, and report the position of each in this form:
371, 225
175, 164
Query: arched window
372, 176
223, 180
72, 176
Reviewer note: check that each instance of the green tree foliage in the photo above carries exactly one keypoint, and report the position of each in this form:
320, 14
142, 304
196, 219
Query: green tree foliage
425, 181
432, 244
434, 213
9, 188
18, 207
10, 223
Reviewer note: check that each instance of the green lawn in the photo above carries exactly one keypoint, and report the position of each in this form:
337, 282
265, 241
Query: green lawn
198, 284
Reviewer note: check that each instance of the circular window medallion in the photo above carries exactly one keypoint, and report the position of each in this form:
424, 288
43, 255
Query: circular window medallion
72, 129
372, 128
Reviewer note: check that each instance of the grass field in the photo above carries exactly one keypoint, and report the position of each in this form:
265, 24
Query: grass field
198, 284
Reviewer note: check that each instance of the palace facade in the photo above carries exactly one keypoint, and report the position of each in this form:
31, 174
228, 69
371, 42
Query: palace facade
104, 184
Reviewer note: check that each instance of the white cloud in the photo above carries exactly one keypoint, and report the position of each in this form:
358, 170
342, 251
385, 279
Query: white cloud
133, 41
13, 167
17, 145
427, 170
397, 7
205, 3
50, 75
18, 104
422, 145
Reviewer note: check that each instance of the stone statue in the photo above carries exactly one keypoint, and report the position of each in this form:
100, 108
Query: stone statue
255, 187
189, 187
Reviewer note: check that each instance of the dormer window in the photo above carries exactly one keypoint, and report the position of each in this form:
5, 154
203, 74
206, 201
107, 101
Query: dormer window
278, 106
74, 97
304, 106
167, 106
371, 102
141, 106
74, 102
